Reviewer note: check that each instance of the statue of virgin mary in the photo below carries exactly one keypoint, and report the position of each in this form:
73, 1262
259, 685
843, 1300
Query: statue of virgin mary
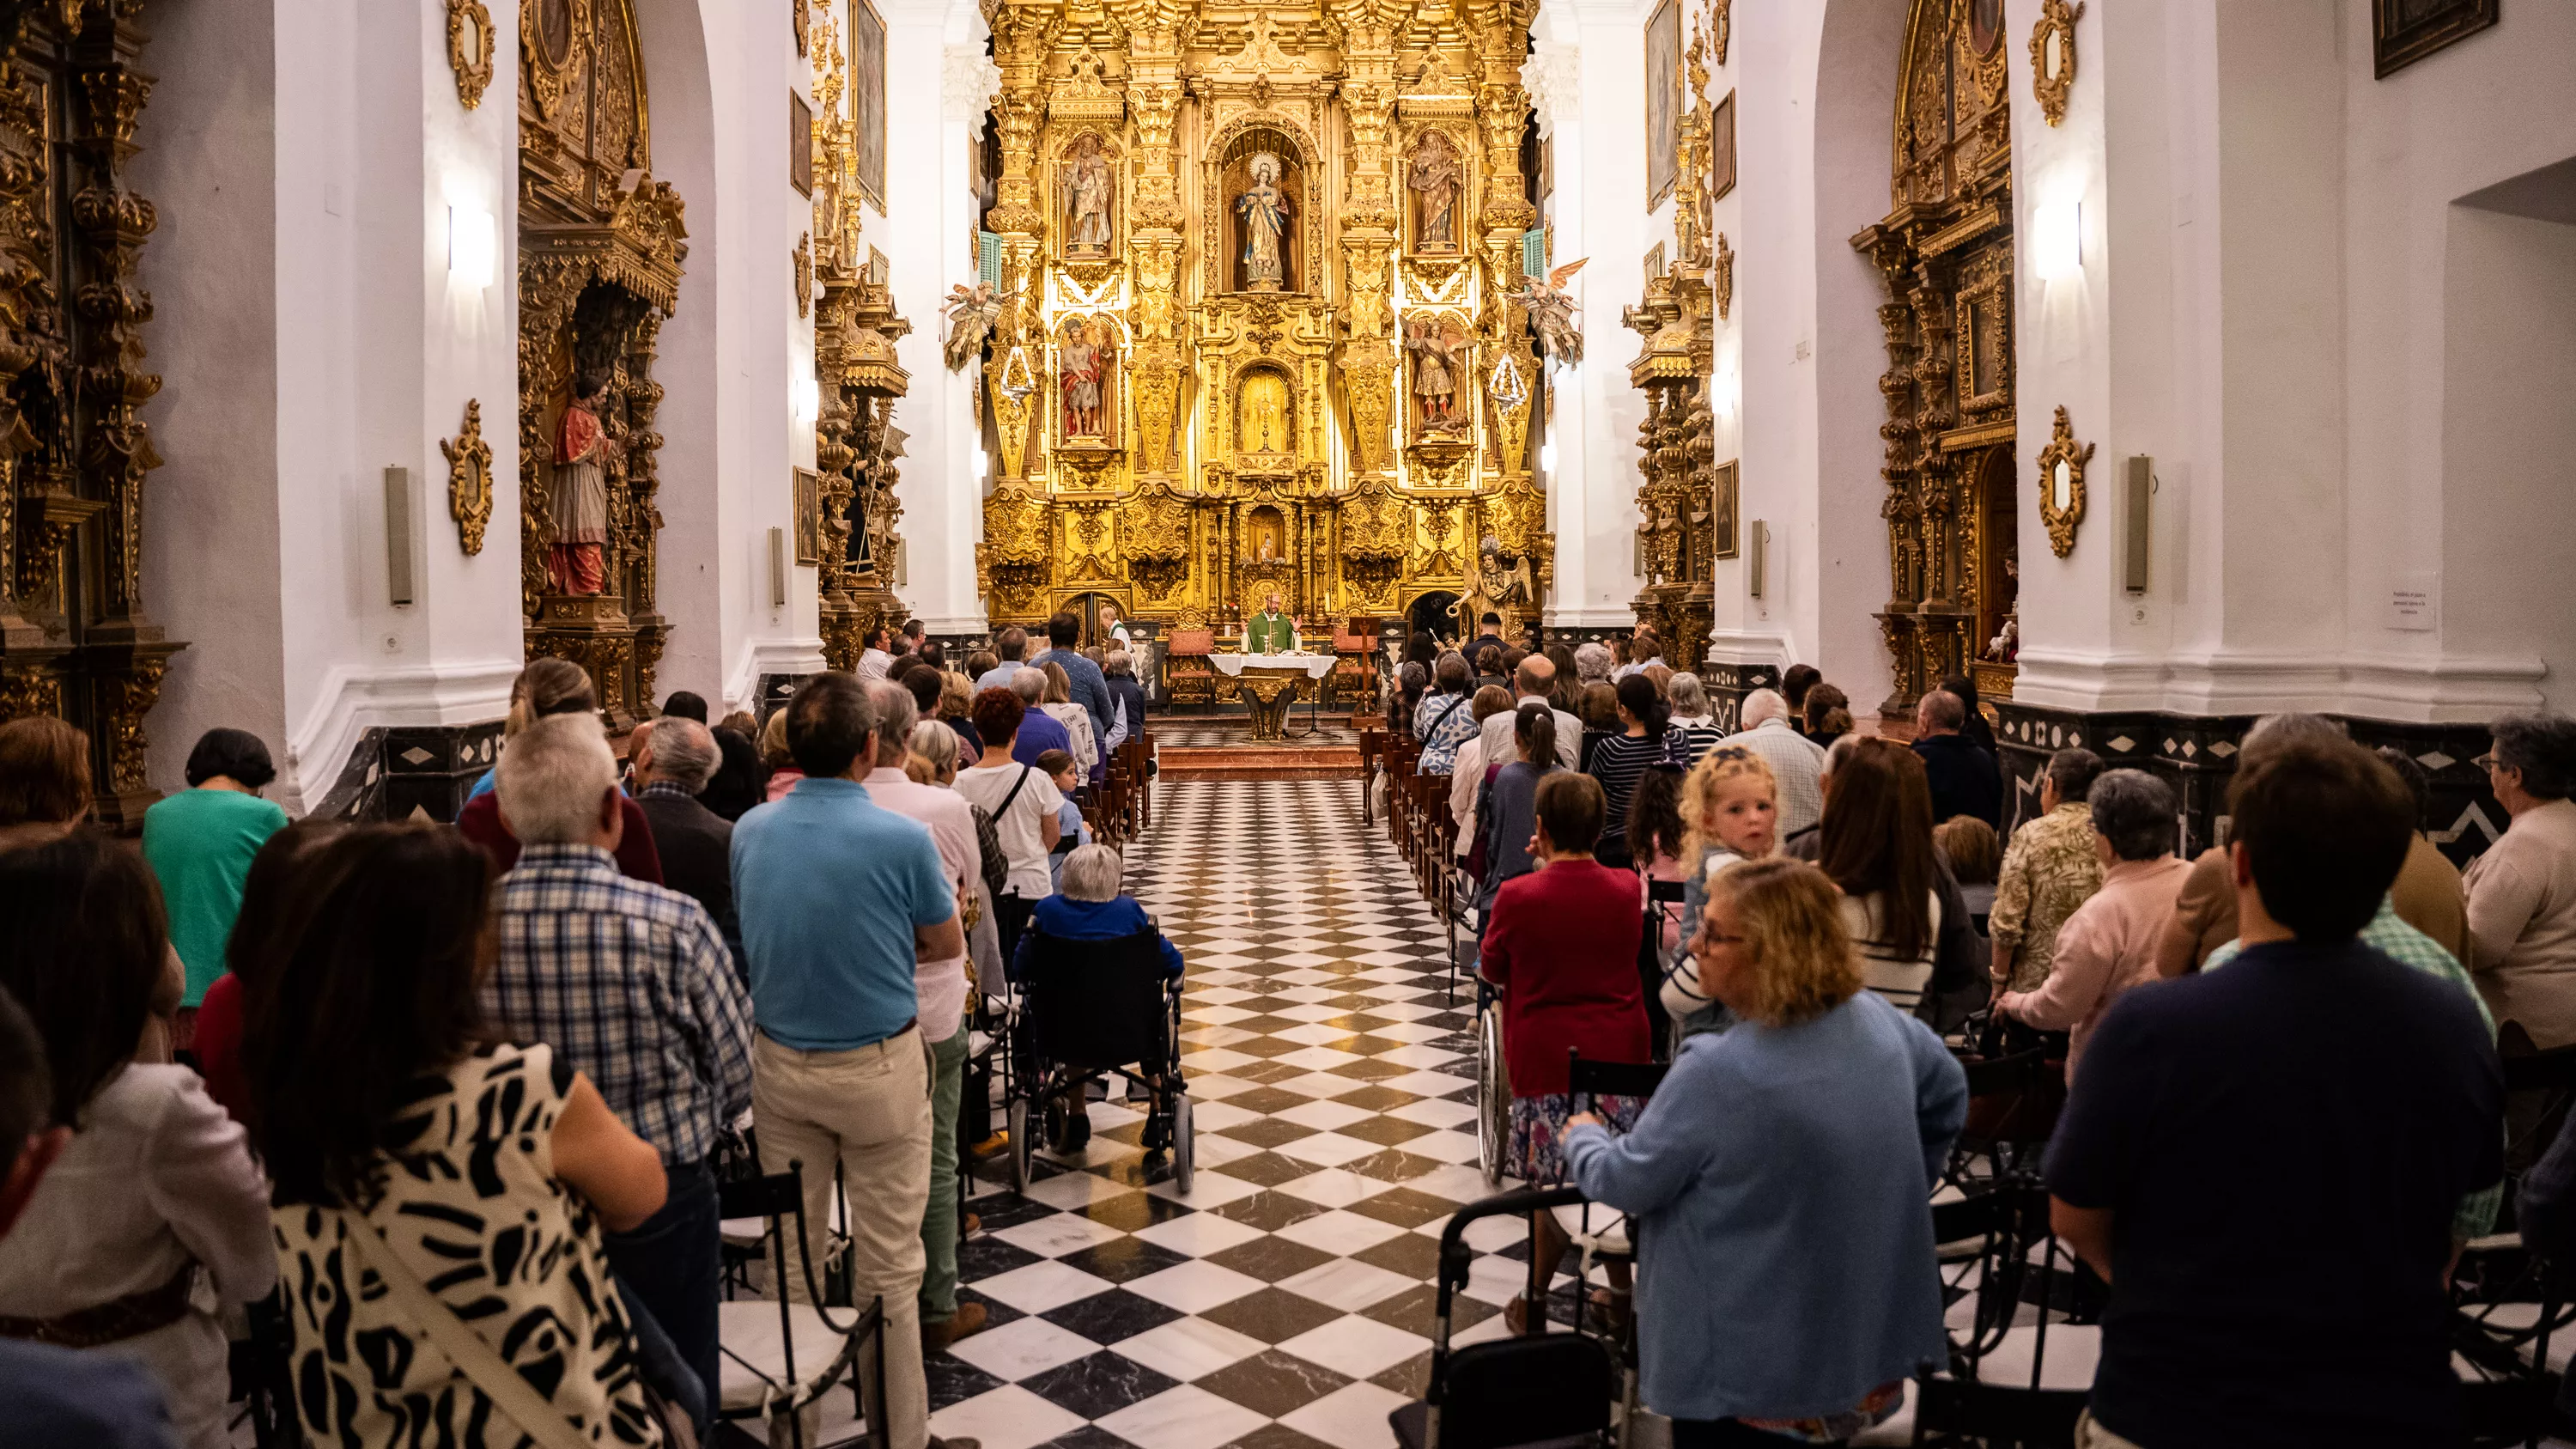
1264, 209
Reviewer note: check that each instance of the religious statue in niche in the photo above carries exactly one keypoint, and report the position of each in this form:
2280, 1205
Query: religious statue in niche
1261, 424
1432, 174
1438, 356
1265, 526
1082, 373
579, 499
1089, 187
1264, 208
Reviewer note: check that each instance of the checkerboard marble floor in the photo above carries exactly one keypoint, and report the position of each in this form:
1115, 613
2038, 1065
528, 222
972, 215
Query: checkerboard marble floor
1285, 1302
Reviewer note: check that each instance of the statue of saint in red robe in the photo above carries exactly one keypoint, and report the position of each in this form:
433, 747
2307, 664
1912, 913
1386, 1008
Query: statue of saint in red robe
579, 503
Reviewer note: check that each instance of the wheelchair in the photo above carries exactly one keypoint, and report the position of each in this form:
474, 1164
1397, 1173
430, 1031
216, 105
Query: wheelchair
1085, 1010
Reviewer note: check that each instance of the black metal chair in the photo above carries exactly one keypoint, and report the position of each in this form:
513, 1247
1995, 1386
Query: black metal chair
1534, 1389
2001, 1386
1663, 907
1087, 1008
765, 1341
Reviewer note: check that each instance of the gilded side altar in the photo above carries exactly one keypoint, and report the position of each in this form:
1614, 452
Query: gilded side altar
1262, 328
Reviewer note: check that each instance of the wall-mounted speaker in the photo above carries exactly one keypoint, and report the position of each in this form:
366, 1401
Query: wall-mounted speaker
2136, 513
778, 568
1757, 557
398, 569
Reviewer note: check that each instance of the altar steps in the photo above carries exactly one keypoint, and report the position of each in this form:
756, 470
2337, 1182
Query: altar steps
1286, 760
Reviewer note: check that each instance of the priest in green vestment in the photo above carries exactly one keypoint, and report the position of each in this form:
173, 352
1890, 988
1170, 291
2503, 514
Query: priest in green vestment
1270, 631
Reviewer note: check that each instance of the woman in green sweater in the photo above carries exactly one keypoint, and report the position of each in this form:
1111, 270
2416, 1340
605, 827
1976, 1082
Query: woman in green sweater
200, 843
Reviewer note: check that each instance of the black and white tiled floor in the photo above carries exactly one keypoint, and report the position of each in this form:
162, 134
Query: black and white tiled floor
1285, 1302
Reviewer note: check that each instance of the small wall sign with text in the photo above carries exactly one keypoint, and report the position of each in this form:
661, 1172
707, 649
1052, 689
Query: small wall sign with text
2415, 602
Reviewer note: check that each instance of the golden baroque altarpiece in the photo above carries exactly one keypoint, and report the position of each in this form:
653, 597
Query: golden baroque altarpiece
1685, 518
74, 638
855, 331
1946, 250
600, 251
1262, 333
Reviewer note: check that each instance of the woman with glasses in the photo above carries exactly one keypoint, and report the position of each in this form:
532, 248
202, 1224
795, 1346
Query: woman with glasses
1781, 1182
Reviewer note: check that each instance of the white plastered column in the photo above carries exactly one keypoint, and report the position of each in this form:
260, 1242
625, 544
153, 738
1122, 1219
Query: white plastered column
1599, 209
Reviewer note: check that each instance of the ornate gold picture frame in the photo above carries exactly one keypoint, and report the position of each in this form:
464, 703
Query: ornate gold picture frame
809, 518
469, 479
1727, 502
470, 44
1663, 102
2052, 57
2061, 485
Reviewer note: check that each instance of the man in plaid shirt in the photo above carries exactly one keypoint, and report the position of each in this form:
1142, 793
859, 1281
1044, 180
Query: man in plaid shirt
633, 984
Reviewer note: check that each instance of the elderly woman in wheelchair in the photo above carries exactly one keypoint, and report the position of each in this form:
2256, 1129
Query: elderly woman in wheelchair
1099, 990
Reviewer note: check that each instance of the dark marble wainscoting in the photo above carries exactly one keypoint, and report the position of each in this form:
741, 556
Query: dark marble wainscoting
1728, 684
2196, 754
410, 771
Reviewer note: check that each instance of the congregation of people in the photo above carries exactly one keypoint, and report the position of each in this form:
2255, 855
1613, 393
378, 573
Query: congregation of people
443, 1113
1852, 922
449, 1110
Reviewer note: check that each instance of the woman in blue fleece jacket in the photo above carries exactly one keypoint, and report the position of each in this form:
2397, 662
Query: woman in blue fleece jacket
1781, 1181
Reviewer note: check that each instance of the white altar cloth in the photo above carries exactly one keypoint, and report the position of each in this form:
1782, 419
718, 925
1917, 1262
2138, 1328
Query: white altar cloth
1313, 666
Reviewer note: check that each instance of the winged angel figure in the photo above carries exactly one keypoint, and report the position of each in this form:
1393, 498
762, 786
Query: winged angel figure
1553, 312
971, 313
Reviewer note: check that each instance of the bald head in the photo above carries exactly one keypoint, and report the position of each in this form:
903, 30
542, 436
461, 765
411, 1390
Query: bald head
1535, 677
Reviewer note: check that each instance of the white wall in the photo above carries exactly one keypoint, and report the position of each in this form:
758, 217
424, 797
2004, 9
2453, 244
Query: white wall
304, 158
1600, 211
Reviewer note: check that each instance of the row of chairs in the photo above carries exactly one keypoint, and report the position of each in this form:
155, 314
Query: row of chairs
1424, 830
1121, 807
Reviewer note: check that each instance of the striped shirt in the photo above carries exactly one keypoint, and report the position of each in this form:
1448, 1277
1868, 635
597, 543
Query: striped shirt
630, 983
1619, 762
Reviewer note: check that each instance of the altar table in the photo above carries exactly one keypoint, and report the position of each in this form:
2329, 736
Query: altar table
1269, 683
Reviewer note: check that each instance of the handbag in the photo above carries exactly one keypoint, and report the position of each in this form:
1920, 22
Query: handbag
483, 1366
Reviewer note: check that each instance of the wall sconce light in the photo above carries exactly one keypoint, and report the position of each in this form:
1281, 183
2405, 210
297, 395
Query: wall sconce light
806, 396
2057, 241
472, 245
1547, 458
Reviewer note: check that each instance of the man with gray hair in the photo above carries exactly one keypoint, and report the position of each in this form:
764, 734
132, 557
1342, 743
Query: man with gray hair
1533, 680
1796, 762
632, 984
942, 986
1039, 732
1090, 908
673, 763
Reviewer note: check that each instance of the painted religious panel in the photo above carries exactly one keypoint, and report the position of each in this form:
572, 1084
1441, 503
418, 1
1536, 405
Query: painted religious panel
1087, 198
1262, 413
800, 145
1086, 381
1721, 148
1663, 102
1435, 184
868, 98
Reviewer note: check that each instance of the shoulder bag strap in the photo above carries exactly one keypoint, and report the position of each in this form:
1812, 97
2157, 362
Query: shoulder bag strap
1438, 719
481, 1364
1025, 772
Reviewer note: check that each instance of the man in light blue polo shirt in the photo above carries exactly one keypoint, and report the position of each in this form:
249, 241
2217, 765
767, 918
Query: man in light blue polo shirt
839, 899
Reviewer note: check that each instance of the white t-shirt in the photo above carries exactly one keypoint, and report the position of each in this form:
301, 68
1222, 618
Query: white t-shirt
1019, 828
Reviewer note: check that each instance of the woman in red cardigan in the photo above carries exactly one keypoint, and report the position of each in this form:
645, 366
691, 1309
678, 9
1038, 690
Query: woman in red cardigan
1562, 949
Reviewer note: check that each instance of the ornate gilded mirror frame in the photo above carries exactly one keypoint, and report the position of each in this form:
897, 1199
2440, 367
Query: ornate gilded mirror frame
469, 49
469, 479
2061, 485
2049, 83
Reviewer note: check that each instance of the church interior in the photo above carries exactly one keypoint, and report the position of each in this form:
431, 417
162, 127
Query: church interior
2106, 378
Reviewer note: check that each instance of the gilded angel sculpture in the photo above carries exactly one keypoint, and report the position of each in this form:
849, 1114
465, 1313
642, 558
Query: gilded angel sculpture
971, 313
1553, 313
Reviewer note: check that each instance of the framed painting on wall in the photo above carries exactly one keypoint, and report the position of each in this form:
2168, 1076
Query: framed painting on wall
868, 98
809, 517
800, 144
1721, 148
2403, 32
1729, 540
1663, 102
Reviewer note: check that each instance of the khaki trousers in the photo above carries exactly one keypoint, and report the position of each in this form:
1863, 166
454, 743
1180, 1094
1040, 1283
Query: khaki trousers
867, 1109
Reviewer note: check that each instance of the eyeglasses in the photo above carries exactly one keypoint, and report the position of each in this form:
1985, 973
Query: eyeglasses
1718, 940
